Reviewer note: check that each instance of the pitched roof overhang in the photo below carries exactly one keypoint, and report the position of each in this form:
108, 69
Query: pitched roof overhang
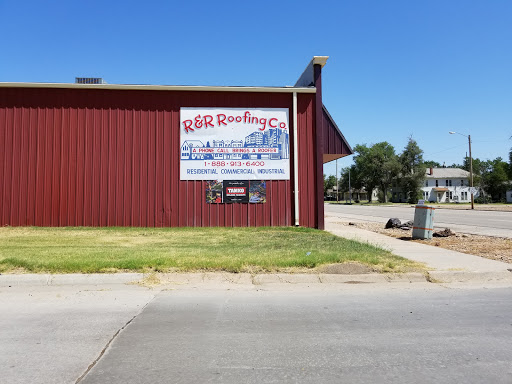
335, 145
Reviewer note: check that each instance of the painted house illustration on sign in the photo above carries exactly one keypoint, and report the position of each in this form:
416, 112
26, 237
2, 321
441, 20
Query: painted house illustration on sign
100, 154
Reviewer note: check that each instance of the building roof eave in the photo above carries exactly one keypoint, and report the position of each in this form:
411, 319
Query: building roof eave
145, 87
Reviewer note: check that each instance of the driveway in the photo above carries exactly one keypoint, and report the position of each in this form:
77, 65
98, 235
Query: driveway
488, 223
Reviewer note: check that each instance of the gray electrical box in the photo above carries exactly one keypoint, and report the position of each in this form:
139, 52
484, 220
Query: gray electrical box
423, 226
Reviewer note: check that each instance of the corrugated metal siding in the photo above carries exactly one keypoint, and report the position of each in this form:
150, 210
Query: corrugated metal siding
333, 140
307, 168
111, 158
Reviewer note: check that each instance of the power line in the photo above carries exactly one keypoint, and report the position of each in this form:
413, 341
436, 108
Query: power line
443, 150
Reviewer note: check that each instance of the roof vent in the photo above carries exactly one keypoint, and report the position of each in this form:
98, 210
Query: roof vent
89, 80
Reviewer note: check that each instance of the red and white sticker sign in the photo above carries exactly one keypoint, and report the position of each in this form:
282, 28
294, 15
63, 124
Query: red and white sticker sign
236, 191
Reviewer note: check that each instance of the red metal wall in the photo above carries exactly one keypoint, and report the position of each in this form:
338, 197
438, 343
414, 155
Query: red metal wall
333, 140
77, 157
307, 165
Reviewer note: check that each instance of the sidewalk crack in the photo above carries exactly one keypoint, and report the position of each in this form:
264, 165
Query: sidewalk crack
92, 365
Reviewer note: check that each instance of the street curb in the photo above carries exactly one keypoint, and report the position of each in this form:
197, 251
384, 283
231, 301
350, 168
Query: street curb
210, 278
205, 279
469, 277
68, 279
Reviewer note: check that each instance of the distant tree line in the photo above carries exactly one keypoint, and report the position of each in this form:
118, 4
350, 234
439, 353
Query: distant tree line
379, 167
494, 177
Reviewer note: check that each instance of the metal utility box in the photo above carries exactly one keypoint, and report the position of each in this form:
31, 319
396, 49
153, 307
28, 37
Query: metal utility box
423, 226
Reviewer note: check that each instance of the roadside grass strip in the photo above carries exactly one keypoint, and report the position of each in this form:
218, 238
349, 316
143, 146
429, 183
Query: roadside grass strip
115, 249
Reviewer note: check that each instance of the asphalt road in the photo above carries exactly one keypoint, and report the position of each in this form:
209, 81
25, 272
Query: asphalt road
489, 223
394, 333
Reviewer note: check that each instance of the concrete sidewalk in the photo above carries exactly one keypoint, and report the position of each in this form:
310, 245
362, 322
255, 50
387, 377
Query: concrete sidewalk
442, 264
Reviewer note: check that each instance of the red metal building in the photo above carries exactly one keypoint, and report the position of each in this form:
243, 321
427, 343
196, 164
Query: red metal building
109, 155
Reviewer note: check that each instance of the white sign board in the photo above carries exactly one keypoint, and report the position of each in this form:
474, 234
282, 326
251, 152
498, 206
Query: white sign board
234, 144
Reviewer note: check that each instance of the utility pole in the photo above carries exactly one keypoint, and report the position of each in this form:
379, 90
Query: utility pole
470, 167
471, 173
337, 194
349, 188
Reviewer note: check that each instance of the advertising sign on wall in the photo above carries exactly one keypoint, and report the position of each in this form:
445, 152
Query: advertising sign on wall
234, 144
258, 191
236, 191
214, 191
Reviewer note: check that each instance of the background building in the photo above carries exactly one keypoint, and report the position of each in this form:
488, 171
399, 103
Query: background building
443, 185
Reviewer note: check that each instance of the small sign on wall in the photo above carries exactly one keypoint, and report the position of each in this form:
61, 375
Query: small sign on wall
236, 191
257, 191
213, 192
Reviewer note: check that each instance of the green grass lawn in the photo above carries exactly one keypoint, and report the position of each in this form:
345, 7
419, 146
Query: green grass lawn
93, 250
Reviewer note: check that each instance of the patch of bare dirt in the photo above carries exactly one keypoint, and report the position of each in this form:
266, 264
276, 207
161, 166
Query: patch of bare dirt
345, 269
490, 247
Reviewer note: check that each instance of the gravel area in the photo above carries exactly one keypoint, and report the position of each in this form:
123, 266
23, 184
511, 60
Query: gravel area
495, 248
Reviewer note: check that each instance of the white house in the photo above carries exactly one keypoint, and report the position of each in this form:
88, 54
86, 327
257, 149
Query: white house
187, 148
443, 185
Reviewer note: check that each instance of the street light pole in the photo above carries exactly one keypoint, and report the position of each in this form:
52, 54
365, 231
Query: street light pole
349, 188
471, 173
470, 167
337, 185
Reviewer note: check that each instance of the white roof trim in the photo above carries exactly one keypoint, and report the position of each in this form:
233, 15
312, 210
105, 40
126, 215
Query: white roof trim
320, 60
161, 87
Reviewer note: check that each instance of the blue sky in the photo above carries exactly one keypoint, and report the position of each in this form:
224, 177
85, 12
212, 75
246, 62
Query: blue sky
396, 68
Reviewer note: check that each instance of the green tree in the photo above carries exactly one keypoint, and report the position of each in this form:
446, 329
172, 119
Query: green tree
494, 178
329, 182
432, 164
355, 179
362, 174
478, 165
343, 182
479, 168
376, 166
384, 154
412, 170
510, 164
